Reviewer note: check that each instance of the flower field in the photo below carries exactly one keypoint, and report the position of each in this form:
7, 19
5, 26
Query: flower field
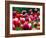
26, 18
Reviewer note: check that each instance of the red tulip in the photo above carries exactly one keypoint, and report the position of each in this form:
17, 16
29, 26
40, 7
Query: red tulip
22, 20
35, 15
16, 22
18, 15
26, 22
21, 15
26, 27
14, 14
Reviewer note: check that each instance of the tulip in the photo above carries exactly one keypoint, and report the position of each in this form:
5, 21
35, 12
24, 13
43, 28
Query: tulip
13, 27
30, 26
26, 27
30, 12
21, 15
16, 22
30, 20
35, 15
14, 14
22, 20
27, 19
26, 22
18, 15
31, 17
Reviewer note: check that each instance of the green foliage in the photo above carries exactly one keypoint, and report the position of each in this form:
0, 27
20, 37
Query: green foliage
19, 9
18, 28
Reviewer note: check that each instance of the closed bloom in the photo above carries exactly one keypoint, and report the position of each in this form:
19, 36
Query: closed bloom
16, 22
13, 27
26, 27
31, 17
14, 14
18, 15
22, 20
27, 19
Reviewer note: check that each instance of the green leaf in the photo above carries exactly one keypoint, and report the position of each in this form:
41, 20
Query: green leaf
18, 28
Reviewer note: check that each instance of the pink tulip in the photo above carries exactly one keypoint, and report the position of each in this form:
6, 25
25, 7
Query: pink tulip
13, 27
30, 26
31, 17
27, 19
30, 20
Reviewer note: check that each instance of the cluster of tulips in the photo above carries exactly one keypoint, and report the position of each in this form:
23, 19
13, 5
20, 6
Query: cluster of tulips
26, 21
